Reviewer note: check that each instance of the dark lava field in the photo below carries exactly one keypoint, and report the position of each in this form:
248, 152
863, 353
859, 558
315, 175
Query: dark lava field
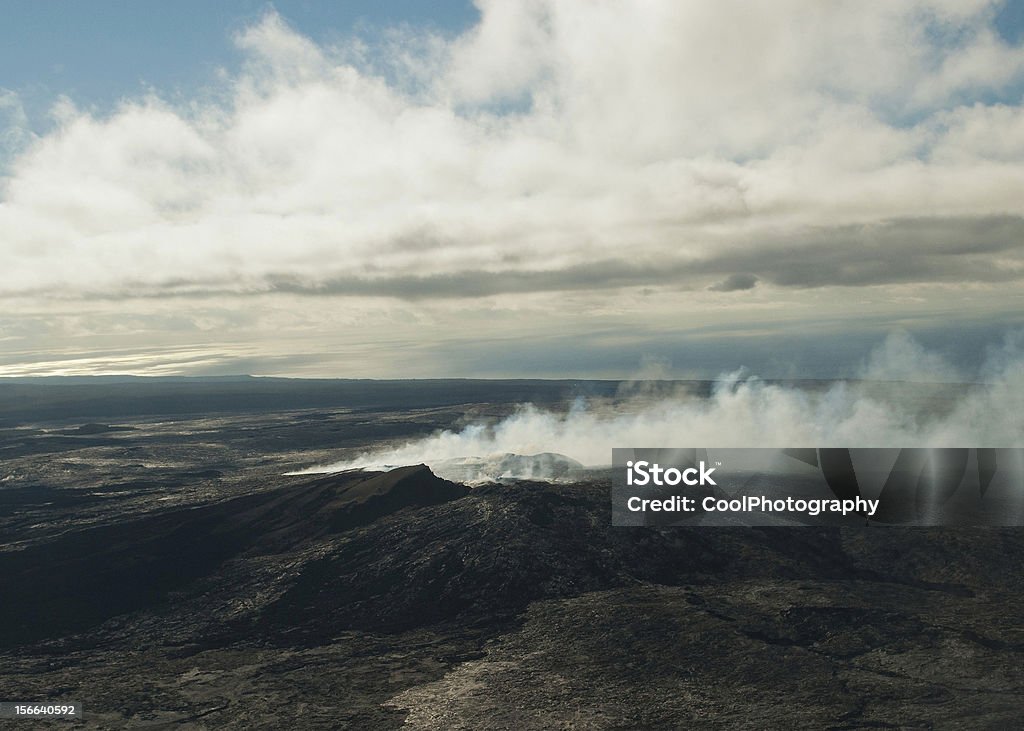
159, 567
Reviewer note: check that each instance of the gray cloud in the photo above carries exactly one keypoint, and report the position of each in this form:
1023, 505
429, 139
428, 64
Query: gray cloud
735, 283
987, 249
982, 249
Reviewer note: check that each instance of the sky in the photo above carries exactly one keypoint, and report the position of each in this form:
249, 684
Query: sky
536, 188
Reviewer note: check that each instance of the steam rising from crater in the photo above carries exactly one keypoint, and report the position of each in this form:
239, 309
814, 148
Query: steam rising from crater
907, 396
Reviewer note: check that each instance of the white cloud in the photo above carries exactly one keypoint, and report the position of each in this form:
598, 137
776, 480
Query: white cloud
676, 138
669, 128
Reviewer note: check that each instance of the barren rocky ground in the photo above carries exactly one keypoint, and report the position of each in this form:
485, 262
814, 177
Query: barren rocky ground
160, 569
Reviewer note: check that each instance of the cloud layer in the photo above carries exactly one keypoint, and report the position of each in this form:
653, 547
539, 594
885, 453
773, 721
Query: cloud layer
563, 168
557, 145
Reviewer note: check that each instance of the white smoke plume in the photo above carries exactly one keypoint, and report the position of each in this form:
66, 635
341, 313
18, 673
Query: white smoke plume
906, 397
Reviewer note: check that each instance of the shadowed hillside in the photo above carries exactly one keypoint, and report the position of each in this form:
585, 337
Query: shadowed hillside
84, 577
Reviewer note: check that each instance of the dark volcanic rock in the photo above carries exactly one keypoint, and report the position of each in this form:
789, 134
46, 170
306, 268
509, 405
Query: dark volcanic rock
366, 500
486, 557
289, 518
368, 601
87, 576
739, 655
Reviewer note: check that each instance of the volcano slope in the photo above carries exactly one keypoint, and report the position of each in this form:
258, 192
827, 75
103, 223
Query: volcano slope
398, 599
